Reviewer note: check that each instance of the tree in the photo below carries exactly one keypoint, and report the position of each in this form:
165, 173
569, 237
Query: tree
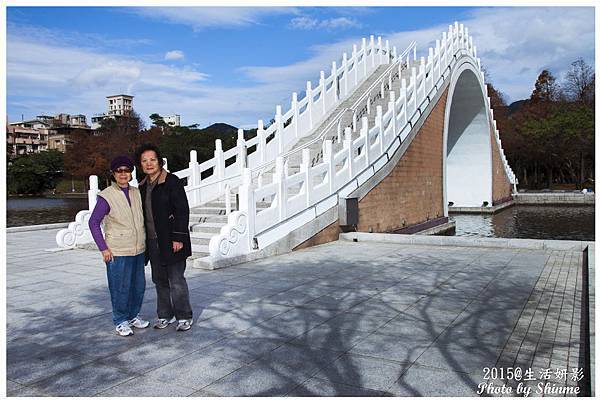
580, 83
91, 154
34, 173
158, 121
546, 88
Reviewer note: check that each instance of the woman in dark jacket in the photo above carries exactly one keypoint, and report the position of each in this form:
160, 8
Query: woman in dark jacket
166, 218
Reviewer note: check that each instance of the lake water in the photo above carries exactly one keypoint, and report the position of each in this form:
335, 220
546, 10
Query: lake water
522, 221
32, 211
530, 221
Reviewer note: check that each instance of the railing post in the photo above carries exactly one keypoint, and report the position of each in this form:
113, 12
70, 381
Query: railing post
93, 192
295, 114
194, 179
227, 199
423, 79
345, 65
334, 82
279, 178
364, 132
328, 158
430, 62
394, 53
323, 91
364, 58
242, 151
354, 118
387, 52
392, 106
379, 125
355, 58
372, 46
304, 168
445, 47
219, 164
348, 147
380, 49
413, 80
404, 101
339, 132
134, 181
382, 89
309, 104
279, 132
165, 164
248, 205
262, 142
437, 60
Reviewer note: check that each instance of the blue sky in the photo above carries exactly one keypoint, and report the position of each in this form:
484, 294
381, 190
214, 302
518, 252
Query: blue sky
234, 65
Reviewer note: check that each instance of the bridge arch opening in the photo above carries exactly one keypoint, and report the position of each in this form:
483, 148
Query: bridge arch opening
468, 157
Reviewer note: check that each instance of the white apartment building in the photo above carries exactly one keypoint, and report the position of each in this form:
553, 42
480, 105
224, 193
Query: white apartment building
173, 121
119, 105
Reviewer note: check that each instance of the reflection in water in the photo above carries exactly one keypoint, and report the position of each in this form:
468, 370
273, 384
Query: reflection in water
32, 211
524, 221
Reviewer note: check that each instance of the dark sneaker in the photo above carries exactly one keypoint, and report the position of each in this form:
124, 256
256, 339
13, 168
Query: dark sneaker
184, 325
124, 330
162, 323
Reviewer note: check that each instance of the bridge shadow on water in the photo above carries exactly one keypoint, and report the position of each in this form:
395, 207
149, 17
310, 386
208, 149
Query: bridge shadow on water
399, 323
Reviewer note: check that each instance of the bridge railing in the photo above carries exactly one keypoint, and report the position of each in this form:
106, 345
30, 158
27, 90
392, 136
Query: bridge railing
298, 198
207, 181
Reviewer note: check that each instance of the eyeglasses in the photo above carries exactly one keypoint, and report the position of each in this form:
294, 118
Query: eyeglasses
122, 170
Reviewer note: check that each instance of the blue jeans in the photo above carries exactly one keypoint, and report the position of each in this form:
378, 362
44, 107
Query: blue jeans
126, 283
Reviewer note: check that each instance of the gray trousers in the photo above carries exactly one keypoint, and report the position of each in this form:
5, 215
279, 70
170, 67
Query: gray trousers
172, 294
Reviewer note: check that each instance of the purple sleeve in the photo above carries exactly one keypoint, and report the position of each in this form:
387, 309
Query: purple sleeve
126, 192
102, 209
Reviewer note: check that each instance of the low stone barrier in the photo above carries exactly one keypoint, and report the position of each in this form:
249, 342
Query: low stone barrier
554, 198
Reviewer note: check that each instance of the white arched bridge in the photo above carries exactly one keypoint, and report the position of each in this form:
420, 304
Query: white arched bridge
384, 143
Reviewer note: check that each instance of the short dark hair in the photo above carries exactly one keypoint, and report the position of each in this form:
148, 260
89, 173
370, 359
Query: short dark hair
146, 147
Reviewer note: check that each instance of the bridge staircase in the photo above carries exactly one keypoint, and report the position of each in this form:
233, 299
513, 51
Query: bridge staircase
207, 220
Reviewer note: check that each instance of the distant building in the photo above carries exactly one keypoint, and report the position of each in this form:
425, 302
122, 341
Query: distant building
44, 133
23, 140
173, 121
119, 105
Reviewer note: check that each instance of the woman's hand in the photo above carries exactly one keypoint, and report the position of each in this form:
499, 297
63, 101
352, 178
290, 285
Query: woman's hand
107, 255
177, 246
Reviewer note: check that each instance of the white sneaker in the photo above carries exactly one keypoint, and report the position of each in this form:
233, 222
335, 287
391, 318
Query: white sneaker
184, 325
124, 330
139, 323
162, 323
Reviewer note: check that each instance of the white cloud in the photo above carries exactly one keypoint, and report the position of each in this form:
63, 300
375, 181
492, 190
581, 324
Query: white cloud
307, 23
200, 18
174, 55
515, 44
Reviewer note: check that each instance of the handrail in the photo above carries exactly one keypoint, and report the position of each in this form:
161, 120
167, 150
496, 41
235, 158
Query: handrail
319, 138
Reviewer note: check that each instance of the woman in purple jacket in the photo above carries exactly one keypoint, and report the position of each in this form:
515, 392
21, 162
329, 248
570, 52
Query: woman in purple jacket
119, 207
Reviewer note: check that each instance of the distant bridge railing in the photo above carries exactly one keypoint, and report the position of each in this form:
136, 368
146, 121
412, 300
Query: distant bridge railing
299, 198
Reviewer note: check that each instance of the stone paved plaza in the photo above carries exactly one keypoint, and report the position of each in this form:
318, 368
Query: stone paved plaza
360, 319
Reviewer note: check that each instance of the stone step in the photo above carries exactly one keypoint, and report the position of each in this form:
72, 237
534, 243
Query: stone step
209, 210
201, 238
203, 218
200, 249
209, 227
